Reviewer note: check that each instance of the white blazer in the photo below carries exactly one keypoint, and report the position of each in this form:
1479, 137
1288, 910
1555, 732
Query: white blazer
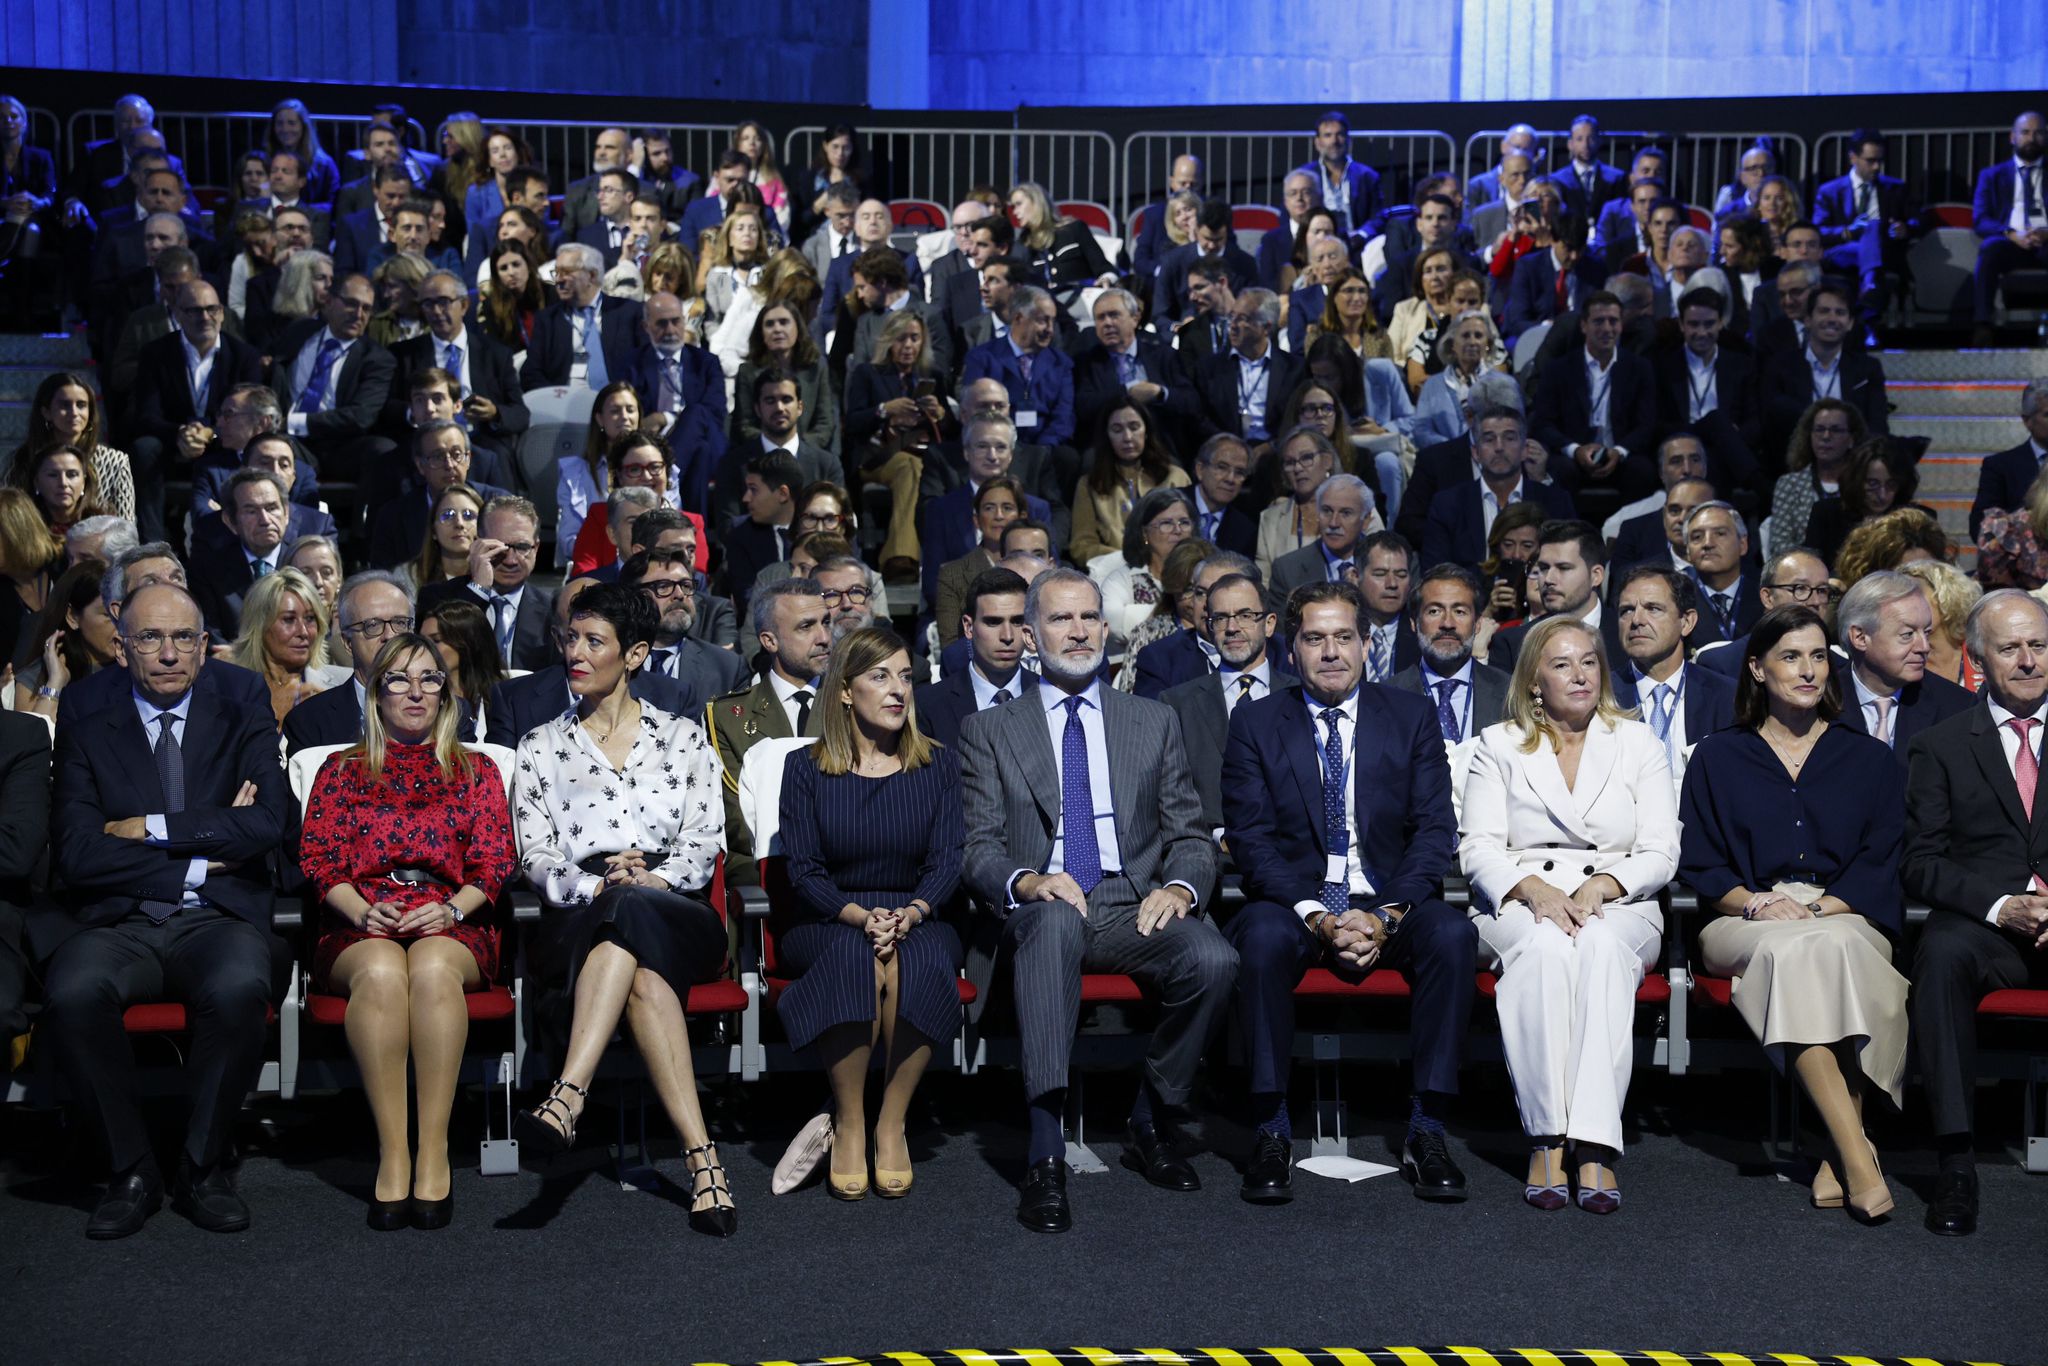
1621, 818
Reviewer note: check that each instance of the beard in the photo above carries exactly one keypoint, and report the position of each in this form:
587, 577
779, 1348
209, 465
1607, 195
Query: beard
1072, 670
1448, 655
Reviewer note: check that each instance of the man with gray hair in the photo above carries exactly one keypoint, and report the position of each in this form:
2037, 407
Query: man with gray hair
373, 607
1114, 881
2003, 479
792, 637
1190, 652
1439, 466
1124, 364
1886, 621
1037, 374
104, 538
1716, 545
1509, 467
1244, 391
132, 570
585, 336
1341, 506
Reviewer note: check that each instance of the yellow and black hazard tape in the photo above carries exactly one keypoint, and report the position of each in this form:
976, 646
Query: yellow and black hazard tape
1349, 1356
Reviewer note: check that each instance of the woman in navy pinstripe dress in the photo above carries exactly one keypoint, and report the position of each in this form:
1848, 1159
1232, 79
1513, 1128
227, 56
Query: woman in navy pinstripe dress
871, 831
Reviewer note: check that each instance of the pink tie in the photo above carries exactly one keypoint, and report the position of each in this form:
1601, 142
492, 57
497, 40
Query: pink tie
1884, 721
2026, 773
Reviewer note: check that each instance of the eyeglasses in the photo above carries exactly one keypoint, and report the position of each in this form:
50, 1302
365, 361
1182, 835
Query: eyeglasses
640, 469
669, 588
819, 519
520, 548
1805, 592
1299, 462
855, 596
376, 628
398, 685
1180, 524
438, 302
1318, 410
202, 311
458, 515
152, 642
1246, 617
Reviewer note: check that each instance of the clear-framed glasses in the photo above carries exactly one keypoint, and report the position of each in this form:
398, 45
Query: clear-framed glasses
151, 642
376, 628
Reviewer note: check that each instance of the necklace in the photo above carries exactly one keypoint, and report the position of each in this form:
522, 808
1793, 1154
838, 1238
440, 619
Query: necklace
1793, 759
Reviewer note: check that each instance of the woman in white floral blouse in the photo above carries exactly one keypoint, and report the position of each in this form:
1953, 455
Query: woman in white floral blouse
620, 821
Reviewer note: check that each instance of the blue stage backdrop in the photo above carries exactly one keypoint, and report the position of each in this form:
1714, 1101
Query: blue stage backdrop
945, 55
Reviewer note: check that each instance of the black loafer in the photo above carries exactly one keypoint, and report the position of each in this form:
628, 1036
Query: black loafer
1042, 1197
389, 1216
1154, 1153
1269, 1176
1426, 1162
1953, 1211
208, 1199
127, 1205
432, 1214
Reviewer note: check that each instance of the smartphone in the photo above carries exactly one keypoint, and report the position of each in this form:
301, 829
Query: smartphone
925, 388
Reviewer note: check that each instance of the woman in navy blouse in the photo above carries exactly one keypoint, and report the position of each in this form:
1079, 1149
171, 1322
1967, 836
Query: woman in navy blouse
1792, 833
871, 830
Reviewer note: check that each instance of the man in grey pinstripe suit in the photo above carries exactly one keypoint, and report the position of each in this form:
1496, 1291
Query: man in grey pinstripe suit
1119, 894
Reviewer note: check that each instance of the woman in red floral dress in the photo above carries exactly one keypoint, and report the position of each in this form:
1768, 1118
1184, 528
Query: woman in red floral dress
408, 840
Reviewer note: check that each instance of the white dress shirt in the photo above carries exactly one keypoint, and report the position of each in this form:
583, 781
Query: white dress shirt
1347, 731
2009, 745
1253, 377
302, 375
155, 824
198, 371
1703, 394
1054, 701
1490, 502
785, 694
1867, 700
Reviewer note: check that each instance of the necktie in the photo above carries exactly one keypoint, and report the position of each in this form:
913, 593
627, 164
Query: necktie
1724, 613
1380, 656
454, 365
1660, 713
2026, 770
501, 624
1219, 336
1343, 571
170, 777
1082, 857
1002, 696
1336, 896
258, 568
1864, 193
1245, 684
669, 395
846, 245
2031, 188
1586, 184
662, 662
1209, 521
592, 352
1447, 711
1884, 718
802, 697
1024, 360
1564, 291
315, 392
1126, 368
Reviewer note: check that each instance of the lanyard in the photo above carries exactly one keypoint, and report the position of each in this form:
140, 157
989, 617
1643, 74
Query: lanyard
1699, 391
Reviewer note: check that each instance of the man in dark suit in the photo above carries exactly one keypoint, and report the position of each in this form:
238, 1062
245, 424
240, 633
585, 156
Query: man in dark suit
166, 814
1717, 562
1658, 536
1976, 834
609, 231
585, 334
501, 565
1436, 225
2010, 212
166, 414
119, 250
2003, 479
706, 212
1623, 226
109, 159
872, 226
440, 455
993, 618
1214, 240
333, 383
1328, 261
526, 187
1205, 332
954, 262
778, 419
791, 628
1222, 466
1040, 469
1587, 182
1790, 576
217, 538
1534, 291
1867, 221
1710, 389
1239, 626
1152, 242
1884, 621
1349, 189
948, 526
518, 705
133, 570
1244, 390
256, 504
1656, 612
1081, 879
1596, 409
1190, 652
288, 169
682, 396
1298, 196
1445, 463
491, 402
609, 150
1825, 368
1467, 695
765, 534
1381, 566
24, 836
1038, 375
1566, 575
1460, 514
373, 607
701, 671
358, 235
1123, 363
383, 145
962, 297
1337, 809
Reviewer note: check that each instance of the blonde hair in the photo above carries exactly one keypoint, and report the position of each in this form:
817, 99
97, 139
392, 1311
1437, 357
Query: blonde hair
1039, 236
1952, 591
27, 544
1193, 201
860, 651
892, 331
718, 242
2036, 504
1524, 710
260, 608
448, 751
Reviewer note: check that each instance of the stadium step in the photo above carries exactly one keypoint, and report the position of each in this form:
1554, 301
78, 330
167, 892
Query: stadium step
2020, 363
1998, 398
1966, 403
1959, 435
45, 351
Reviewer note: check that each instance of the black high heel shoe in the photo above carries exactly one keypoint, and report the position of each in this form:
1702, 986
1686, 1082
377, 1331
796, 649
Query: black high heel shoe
532, 1129
432, 1214
389, 1216
720, 1220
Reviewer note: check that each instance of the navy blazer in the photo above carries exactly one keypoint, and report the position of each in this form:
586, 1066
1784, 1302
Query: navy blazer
1787, 392
1097, 389
1276, 249
1238, 530
359, 391
1304, 306
1641, 540
161, 402
1401, 784
1507, 644
105, 771
1170, 285
533, 633
838, 284
1216, 381
945, 530
1563, 410
1709, 699
517, 705
552, 349
1608, 183
1049, 394
1166, 663
1834, 208
1991, 203
944, 706
1532, 289
329, 717
703, 215
1733, 432
1437, 467
356, 238
1455, 532
243, 689
1921, 705
1364, 183
491, 375
697, 436
2002, 482
598, 236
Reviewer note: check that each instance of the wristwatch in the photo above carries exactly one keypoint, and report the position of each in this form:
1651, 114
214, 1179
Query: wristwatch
457, 911
47, 691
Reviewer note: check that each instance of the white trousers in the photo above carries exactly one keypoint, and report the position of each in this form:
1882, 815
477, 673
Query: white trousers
1567, 1015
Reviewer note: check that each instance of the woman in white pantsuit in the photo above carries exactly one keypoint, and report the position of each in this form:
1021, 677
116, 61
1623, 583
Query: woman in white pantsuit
1569, 831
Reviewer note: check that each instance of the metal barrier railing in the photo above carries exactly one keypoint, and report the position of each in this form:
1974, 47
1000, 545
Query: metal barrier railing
1249, 167
943, 164
1700, 163
1939, 165
46, 130
562, 146
211, 144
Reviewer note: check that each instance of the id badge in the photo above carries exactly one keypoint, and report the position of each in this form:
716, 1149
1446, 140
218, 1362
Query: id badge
1335, 871
1026, 420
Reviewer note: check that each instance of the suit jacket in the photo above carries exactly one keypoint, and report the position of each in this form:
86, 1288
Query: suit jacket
1733, 431
1748, 607
1620, 816
749, 548
105, 771
320, 217
1787, 392
533, 644
1097, 389
1237, 531
552, 349
703, 215
1401, 785
356, 195
398, 530
219, 583
1641, 540
1708, 699
1834, 208
597, 234
1437, 467
1532, 289
1991, 203
838, 284
867, 333
1455, 532
162, 399
119, 252
1304, 306
737, 720
1563, 410
697, 433
579, 209
1049, 394
1152, 244
946, 531
814, 463
1507, 644
1489, 692
957, 299
1921, 707
356, 238
1170, 286
242, 689
24, 813
1205, 729
1276, 248
1364, 184
2002, 482
332, 716
1608, 183
944, 706
1969, 841
1010, 790
99, 178
1216, 382
491, 375
214, 540
1167, 663
517, 705
359, 392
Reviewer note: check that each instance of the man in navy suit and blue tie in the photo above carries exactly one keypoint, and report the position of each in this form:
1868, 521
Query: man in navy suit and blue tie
1222, 466
2003, 479
992, 623
1337, 810
585, 336
1716, 560
1885, 621
1586, 181
1038, 374
706, 213
2010, 210
166, 813
1349, 189
1657, 611
1461, 516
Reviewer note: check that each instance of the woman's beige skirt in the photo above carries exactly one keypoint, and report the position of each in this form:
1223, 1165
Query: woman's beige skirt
1800, 982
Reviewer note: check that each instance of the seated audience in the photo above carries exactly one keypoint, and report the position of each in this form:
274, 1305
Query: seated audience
896, 407
2012, 543
66, 411
1657, 614
1133, 589
461, 636
1881, 475
31, 556
585, 336
442, 458
999, 503
283, 638
781, 341
991, 619
1816, 462
1468, 695
1170, 646
1896, 539
1235, 623
2005, 479
580, 480
73, 638
1595, 409
501, 564
1038, 375
1244, 389
1462, 515
1884, 622
333, 382
1130, 460
1954, 595
452, 520
2010, 218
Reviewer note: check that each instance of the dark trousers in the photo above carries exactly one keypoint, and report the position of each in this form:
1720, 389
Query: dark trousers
1876, 261
1996, 256
216, 964
1436, 950
375, 462
1184, 965
147, 457
1959, 961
